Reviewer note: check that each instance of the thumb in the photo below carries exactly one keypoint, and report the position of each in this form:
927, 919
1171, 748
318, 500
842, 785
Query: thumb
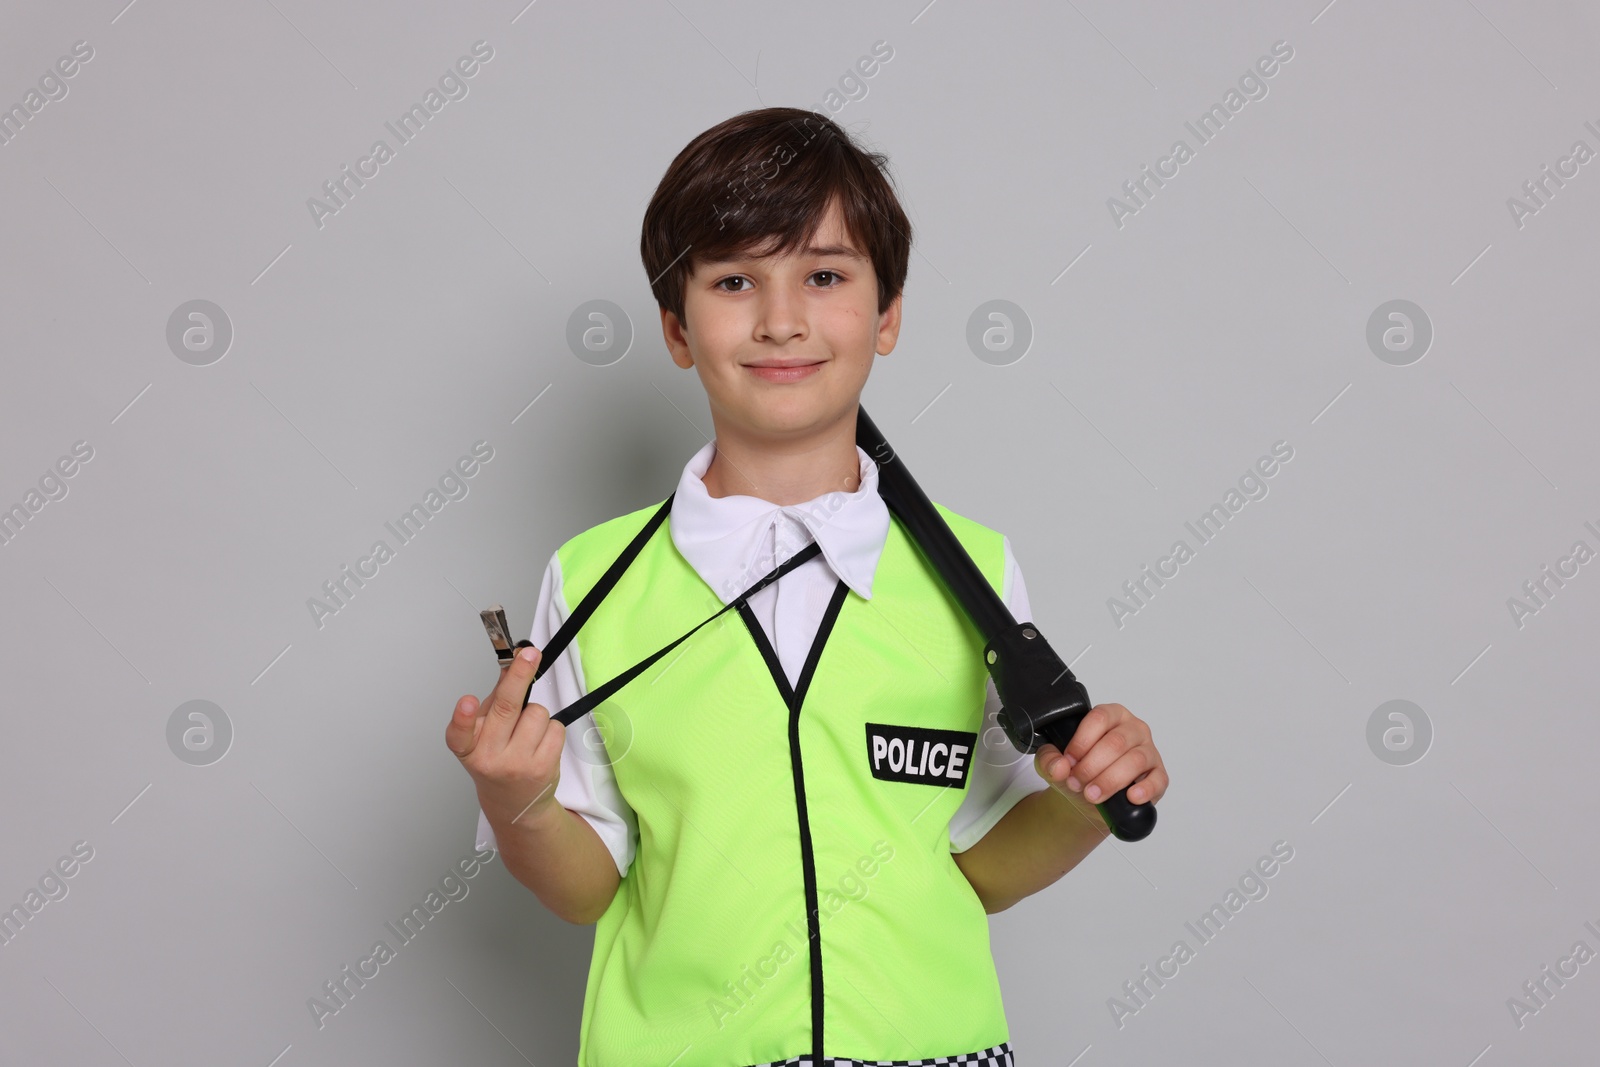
1052, 764
461, 734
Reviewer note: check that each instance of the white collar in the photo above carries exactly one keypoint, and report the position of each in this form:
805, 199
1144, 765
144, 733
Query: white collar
722, 537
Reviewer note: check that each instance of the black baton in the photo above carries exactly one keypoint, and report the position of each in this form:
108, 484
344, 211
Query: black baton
1040, 698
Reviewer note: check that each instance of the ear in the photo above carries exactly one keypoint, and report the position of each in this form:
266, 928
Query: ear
677, 342
889, 326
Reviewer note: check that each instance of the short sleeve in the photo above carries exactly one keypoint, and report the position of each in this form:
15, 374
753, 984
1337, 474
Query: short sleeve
1000, 775
588, 786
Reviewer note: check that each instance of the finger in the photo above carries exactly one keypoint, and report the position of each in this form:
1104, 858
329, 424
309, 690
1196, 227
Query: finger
461, 734
1149, 787
1106, 751
547, 756
1093, 726
544, 762
1121, 773
532, 728
504, 704
1051, 763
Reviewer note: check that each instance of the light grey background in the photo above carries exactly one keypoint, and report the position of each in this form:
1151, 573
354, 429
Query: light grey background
369, 354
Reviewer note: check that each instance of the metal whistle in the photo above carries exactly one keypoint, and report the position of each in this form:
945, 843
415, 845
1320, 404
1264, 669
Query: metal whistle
494, 621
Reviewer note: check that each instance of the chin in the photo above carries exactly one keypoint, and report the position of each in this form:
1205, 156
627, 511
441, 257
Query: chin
794, 419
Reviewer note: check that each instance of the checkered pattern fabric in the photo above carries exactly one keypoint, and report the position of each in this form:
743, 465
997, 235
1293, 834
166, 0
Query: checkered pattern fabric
996, 1056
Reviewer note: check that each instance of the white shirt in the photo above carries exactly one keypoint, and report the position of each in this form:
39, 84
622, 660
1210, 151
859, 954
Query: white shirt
731, 542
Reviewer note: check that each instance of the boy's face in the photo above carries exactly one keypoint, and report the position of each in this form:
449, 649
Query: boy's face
783, 346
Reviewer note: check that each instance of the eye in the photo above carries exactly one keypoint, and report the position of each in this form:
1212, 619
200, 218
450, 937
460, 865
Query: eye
730, 278
832, 274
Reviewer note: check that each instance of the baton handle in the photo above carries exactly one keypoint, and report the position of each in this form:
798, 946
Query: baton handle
1126, 820
1042, 701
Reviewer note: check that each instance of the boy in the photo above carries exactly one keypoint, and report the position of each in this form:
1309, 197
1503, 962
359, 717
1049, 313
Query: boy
774, 880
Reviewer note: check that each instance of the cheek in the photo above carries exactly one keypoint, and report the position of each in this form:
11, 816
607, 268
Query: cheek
852, 325
855, 368
714, 343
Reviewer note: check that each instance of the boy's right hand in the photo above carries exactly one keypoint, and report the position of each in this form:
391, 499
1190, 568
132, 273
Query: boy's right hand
513, 753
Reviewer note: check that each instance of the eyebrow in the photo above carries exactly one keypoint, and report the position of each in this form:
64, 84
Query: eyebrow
833, 250
815, 251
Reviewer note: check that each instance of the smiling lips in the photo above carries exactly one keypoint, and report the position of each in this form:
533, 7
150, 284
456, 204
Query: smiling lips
774, 371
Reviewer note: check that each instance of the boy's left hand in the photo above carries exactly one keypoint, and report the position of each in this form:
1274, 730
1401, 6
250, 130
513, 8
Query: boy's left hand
1111, 749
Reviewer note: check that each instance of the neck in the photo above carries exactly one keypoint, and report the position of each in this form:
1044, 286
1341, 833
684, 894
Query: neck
783, 473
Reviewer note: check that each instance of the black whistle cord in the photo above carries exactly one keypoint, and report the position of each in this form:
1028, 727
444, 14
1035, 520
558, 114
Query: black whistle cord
569, 629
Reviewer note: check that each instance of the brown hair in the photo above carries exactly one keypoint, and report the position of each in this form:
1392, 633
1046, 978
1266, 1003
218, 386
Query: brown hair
764, 174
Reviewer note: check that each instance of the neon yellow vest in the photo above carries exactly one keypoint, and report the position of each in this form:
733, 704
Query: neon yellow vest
784, 897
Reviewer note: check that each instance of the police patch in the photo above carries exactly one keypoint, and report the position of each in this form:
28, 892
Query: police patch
918, 754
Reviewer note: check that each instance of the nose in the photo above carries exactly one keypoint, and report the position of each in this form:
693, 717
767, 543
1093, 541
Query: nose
781, 317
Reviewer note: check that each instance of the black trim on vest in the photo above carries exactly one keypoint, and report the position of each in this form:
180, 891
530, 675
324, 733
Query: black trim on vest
794, 698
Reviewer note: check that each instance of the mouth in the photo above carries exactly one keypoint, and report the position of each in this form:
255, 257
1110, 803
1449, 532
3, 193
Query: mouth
784, 370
